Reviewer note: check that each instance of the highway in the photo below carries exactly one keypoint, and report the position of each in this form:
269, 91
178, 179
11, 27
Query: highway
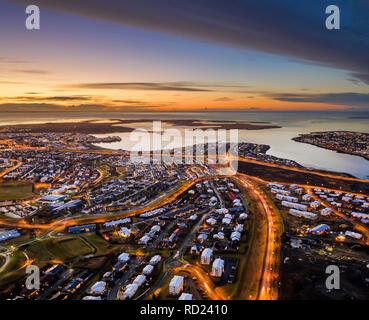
268, 289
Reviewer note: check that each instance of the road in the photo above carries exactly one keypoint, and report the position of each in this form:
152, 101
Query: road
213, 292
268, 289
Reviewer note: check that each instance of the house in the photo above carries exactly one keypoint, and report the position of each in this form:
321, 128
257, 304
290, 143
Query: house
124, 232
320, 229
148, 270
211, 221
176, 285
194, 250
98, 288
206, 256
315, 204
325, 211
144, 240
130, 291
202, 237
238, 228
124, 257
155, 260
235, 236
217, 268
139, 280
354, 235
91, 298
306, 197
185, 296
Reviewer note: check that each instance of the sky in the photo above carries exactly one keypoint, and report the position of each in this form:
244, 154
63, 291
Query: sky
184, 55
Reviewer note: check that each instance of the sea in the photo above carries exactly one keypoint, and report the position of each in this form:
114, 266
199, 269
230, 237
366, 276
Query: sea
280, 140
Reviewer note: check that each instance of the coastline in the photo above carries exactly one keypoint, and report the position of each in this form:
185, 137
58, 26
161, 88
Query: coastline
122, 125
297, 139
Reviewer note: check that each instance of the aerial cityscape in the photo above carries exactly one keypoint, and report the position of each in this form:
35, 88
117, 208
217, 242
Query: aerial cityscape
178, 152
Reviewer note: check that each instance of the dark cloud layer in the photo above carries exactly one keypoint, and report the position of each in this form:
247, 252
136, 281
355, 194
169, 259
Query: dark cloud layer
293, 28
344, 98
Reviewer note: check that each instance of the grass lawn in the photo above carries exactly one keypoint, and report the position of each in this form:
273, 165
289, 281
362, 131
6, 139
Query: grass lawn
15, 191
102, 246
45, 251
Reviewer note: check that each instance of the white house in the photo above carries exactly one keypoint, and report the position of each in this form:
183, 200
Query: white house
124, 257
206, 256
235, 236
354, 235
98, 288
155, 228
185, 296
155, 260
148, 269
124, 232
325, 211
217, 268
144, 240
238, 228
315, 204
211, 221
139, 280
130, 291
176, 285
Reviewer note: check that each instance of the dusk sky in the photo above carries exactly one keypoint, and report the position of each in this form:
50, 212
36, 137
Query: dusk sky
184, 55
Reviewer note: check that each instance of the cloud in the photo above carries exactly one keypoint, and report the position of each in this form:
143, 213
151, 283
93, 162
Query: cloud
128, 101
10, 82
33, 71
291, 28
343, 98
44, 107
146, 86
363, 77
223, 99
11, 61
60, 98
38, 98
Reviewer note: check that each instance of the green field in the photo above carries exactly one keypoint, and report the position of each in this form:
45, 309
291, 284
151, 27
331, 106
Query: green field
102, 246
15, 191
63, 249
